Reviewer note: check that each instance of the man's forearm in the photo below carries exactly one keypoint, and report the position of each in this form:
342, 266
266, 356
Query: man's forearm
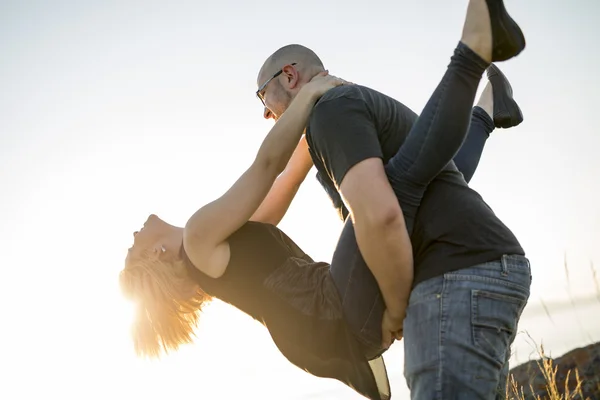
380, 230
387, 251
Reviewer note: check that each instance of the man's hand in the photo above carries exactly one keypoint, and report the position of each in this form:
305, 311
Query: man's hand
392, 328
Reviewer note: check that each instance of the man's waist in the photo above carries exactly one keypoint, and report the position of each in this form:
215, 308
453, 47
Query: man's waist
443, 258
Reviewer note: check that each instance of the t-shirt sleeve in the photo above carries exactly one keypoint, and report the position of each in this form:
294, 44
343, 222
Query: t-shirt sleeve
341, 134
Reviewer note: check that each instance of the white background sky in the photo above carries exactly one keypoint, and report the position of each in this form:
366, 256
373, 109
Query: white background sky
110, 111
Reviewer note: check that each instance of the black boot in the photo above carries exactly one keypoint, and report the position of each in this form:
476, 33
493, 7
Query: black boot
506, 110
508, 39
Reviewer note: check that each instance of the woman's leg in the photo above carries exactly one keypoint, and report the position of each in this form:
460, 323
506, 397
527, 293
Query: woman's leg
467, 158
438, 133
440, 130
496, 108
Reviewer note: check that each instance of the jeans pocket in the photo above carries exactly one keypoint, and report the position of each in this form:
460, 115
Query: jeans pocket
494, 319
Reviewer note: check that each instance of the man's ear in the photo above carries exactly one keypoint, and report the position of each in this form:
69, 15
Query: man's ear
291, 76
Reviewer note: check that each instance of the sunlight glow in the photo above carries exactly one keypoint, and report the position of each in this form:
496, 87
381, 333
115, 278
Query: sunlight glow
112, 112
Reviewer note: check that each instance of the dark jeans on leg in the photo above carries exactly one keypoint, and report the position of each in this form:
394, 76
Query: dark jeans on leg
459, 328
467, 158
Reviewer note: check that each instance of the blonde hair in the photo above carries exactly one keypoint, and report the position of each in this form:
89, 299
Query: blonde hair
168, 303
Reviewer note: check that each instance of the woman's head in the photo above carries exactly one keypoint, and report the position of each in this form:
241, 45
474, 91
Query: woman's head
167, 301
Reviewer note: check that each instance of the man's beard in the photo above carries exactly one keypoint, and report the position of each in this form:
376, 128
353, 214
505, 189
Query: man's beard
287, 99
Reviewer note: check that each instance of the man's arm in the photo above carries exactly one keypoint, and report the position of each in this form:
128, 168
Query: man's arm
343, 134
380, 230
284, 189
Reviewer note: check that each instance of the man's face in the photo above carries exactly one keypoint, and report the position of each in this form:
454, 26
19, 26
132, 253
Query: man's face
277, 90
276, 100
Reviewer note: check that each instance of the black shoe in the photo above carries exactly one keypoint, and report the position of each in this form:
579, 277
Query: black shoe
508, 39
506, 110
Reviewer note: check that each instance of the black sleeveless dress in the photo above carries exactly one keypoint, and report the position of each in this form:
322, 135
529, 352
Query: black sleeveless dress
271, 279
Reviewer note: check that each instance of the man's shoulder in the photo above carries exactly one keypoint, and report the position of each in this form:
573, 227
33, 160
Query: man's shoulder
352, 100
350, 92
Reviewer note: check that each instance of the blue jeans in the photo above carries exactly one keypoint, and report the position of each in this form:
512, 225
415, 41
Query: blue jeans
459, 328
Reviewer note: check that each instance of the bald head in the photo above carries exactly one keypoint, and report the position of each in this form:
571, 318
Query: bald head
307, 62
277, 92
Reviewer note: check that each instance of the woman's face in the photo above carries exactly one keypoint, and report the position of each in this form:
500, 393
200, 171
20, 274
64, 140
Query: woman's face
156, 237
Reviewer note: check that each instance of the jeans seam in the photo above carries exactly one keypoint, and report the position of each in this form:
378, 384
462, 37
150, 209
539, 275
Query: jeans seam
494, 267
474, 316
431, 121
440, 372
520, 266
512, 298
486, 279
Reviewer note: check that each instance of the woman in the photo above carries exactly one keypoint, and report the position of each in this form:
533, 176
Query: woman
171, 272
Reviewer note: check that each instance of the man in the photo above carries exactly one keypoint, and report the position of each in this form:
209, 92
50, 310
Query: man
457, 309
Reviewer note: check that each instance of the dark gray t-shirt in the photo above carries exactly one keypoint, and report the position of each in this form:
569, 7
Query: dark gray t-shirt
454, 228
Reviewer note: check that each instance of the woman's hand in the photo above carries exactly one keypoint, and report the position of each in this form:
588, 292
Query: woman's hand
321, 83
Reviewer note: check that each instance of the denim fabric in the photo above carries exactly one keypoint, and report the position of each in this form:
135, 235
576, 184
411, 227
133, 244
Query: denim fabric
459, 328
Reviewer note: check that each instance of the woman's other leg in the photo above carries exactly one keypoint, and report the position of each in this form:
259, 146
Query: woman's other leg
496, 108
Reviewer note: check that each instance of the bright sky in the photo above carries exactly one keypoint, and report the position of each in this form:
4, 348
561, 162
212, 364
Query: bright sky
110, 111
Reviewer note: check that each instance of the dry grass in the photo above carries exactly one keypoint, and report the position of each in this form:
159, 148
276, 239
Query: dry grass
549, 370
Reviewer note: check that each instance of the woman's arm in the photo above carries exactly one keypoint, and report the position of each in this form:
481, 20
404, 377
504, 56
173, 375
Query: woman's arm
206, 231
278, 200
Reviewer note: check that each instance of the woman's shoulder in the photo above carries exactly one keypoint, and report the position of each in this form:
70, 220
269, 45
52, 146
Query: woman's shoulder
213, 266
